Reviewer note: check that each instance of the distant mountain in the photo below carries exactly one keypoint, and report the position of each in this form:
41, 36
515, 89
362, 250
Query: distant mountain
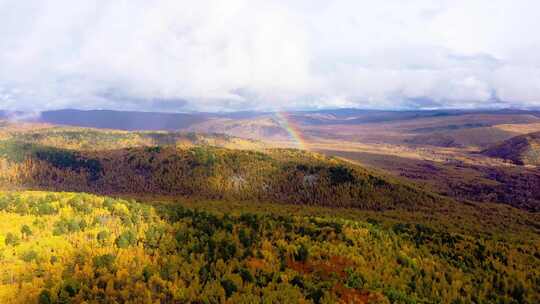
123, 120
521, 150
359, 116
132, 120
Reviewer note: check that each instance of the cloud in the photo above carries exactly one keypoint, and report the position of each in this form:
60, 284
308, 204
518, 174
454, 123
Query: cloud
175, 55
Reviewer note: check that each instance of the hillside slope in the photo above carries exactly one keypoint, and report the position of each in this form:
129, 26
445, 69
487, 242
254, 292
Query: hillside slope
461, 138
521, 150
279, 175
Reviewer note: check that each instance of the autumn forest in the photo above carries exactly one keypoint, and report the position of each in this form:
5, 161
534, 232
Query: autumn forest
187, 219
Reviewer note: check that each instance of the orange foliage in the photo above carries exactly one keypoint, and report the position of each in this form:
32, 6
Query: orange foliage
335, 265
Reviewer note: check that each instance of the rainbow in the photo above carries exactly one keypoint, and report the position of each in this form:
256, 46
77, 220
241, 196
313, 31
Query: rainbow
294, 132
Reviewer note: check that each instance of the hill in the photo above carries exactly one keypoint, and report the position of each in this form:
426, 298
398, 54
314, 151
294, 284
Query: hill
102, 139
454, 174
277, 175
261, 128
461, 137
434, 128
521, 150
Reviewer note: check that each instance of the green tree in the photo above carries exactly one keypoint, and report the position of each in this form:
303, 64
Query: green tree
126, 239
26, 231
11, 239
45, 297
102, 236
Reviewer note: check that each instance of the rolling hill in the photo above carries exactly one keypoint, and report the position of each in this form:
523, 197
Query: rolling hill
436, 127
103, 139
266, 127
462, 137
193, 165
277, 175
453, 178
521, 150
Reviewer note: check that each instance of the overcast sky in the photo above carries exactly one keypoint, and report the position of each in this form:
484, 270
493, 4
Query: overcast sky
258, 55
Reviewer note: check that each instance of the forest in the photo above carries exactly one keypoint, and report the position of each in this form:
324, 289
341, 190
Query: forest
76, 138
273, 175
75, 248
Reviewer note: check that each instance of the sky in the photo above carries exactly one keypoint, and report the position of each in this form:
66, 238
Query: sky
230, 55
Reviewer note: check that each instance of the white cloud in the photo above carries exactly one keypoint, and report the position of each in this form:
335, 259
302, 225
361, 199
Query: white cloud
238, 54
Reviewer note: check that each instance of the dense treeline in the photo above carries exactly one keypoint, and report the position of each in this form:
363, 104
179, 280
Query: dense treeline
72, 248
279, 175
96, 139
